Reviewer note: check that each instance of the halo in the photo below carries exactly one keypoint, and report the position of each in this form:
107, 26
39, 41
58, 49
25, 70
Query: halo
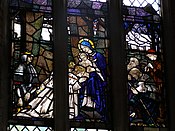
85, 39
27, 53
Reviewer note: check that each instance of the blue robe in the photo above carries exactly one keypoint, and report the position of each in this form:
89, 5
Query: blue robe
95, 86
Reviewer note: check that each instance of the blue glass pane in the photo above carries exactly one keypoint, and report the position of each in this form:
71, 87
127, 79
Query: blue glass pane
34, 5
154, 4
140, 14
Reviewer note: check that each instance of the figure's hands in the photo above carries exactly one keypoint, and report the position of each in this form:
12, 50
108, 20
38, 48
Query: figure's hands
134, 90
20, 102
141, 87
132, 114
82, 79
27, 96
148, 67
90, 69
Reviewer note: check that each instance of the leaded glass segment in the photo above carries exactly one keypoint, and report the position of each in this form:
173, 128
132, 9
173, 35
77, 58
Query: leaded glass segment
83, 129
33, 5
146, 88
28, 128
31, 63
154, 4
88, 44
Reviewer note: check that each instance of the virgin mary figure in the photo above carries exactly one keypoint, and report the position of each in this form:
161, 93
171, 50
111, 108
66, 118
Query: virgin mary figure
92, 94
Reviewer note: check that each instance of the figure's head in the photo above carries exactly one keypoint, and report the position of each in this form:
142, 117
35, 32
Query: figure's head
27, 57
83, 56
135, 73
133, 62
79, 70
151, 54
71, 64
86, 45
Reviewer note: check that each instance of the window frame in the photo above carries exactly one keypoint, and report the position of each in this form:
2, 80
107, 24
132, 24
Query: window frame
117, 66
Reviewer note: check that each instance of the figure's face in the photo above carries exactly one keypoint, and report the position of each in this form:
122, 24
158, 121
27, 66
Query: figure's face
29, 59
152, 56
135, 73
132, 63
83, 56
141, 87
86, 49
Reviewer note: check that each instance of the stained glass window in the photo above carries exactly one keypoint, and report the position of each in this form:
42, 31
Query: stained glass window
146, 88
82, 129
88, 44
31, 64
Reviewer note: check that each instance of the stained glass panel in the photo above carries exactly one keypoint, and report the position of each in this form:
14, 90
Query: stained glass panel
83, 129
88, 44
29, 128
31, 61
151, 5
146, 88
33, 5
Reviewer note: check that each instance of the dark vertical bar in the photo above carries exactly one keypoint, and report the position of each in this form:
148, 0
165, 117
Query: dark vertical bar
169, 49
118, 68
60, 66
4, 62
